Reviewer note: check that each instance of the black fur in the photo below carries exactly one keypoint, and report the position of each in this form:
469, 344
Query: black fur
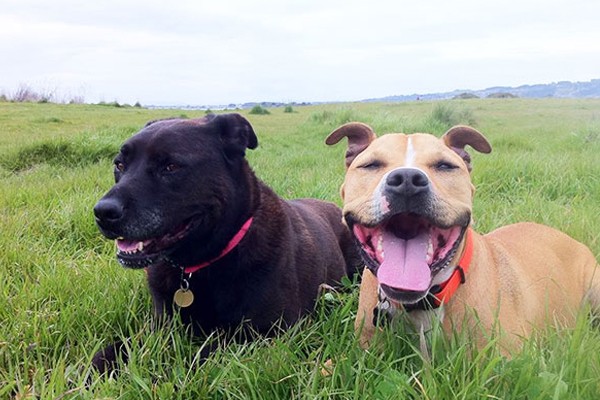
177, 172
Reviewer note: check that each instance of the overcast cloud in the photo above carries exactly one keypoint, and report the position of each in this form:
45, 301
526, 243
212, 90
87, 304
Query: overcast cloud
197, 52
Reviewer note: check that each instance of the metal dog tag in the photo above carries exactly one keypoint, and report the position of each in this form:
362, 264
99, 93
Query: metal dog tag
183, 297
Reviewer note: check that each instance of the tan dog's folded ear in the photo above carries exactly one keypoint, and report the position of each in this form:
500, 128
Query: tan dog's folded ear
459, 136
359, 137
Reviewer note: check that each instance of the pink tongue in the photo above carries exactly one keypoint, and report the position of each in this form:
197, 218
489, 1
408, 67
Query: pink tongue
126, 245
405, 263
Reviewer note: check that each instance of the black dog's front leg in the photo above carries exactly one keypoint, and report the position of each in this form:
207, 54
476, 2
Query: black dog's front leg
107, 359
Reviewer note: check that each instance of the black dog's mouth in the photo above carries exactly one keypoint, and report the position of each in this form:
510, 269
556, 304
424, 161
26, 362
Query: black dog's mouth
406, 251
142, 253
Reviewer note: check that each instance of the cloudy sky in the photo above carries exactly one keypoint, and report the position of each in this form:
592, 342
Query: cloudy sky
182, 52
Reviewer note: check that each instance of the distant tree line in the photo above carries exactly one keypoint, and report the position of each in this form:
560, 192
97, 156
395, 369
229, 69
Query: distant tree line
26, 94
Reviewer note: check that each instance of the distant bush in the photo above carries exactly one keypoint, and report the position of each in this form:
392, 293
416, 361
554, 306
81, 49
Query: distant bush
52, 120
335, 118
58, 153
111, 104
258, 110
589, 133
465, 96
137, 104
444, 116
76, 100
502, 95
25, 93
116, 104
288, 109
79, 151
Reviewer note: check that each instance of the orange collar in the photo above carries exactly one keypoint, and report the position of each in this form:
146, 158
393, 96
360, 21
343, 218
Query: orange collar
442, 293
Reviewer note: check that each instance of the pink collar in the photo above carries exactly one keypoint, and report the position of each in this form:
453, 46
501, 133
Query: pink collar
230, 246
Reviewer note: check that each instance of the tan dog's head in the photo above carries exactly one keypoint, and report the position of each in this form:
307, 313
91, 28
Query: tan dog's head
408, 200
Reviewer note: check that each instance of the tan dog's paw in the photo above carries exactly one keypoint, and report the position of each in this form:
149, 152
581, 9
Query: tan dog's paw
327, 369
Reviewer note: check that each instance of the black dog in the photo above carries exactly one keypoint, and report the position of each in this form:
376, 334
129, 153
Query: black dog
218, 245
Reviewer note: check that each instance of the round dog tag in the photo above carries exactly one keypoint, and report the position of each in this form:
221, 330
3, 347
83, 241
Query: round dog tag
183, 298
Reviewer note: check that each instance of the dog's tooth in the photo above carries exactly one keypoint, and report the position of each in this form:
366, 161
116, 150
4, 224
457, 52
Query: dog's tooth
430, 250
140, 246
379, 253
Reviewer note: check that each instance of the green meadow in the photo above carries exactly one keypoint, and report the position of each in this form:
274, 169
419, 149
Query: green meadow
63, 295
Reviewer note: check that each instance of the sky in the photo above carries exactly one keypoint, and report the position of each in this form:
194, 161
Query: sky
196, 52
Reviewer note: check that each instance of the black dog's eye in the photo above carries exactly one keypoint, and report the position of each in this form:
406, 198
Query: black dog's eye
119, 166
172, 167
445, 166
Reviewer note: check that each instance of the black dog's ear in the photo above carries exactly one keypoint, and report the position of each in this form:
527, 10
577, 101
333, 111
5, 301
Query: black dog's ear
236, 132
459, 136
159, 120
359, 137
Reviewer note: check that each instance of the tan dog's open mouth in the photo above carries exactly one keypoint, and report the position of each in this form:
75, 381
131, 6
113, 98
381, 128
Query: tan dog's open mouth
406, 251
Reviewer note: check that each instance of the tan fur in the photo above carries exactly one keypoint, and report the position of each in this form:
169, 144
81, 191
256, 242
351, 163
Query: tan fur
522, 276
367, 300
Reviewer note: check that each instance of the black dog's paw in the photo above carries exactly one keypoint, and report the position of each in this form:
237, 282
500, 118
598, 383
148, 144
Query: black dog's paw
107, 359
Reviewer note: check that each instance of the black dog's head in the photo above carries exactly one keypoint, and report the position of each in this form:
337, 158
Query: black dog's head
177, 181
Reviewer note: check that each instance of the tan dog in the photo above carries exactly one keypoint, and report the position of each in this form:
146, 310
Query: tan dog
408, 201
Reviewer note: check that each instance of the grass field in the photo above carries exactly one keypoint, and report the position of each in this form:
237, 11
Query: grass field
63, 295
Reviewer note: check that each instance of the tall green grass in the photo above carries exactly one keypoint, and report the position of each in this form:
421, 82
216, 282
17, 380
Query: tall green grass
63, 295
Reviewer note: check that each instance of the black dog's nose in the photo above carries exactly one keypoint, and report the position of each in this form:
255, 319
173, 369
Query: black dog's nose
407, 182
108, 210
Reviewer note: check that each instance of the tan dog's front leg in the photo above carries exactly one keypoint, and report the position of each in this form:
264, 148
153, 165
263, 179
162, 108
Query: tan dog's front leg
367, 301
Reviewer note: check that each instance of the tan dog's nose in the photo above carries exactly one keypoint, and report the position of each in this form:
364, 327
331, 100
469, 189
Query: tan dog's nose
407, 182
